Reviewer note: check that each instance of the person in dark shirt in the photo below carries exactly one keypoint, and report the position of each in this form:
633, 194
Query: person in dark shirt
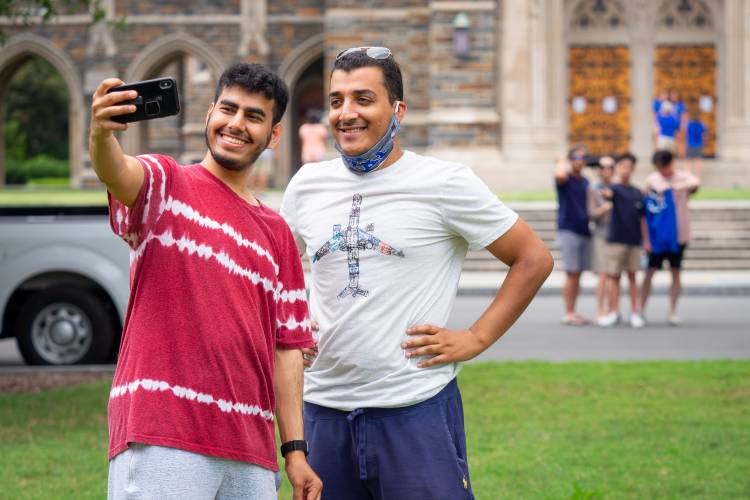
624, 240
573, 236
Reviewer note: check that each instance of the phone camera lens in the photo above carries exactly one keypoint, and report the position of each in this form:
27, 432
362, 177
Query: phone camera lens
166, 84
152, 108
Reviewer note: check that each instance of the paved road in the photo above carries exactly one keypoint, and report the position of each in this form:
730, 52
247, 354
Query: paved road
713, 328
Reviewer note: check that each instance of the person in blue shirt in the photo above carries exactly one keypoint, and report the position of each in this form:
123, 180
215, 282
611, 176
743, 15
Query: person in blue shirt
656, 104
573, 236
695, 132
624, 240
668, 125
678, 105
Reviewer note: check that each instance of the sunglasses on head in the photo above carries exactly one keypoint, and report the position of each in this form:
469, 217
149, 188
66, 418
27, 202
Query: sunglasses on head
371, 52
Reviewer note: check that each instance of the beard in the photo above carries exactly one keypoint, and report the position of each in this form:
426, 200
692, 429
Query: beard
235, 165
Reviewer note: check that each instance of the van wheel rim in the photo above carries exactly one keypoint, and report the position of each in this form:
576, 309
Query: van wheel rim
61, 333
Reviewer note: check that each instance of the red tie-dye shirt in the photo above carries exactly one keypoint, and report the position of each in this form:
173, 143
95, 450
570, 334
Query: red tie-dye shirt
216, 286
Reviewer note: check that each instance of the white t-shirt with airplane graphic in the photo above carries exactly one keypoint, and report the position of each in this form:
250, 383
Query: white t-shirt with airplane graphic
386, 251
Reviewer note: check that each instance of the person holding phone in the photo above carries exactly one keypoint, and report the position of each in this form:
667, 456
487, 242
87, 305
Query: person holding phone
211, 348
387, 231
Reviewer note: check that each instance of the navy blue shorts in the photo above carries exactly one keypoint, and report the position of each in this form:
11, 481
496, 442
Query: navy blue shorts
656, 261
415, 452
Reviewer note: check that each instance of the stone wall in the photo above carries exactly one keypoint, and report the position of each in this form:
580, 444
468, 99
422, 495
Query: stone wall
405, 30
501, 108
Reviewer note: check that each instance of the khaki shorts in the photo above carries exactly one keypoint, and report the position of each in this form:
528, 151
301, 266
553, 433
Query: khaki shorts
622, 257
599, 255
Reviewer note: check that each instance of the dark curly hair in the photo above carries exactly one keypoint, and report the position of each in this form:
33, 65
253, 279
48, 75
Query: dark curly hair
256, 79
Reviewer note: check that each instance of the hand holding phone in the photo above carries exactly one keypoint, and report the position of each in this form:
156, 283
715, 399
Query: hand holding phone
105, 106
156, 98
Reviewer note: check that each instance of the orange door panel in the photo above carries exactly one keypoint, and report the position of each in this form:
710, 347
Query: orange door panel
599, 98
691, 70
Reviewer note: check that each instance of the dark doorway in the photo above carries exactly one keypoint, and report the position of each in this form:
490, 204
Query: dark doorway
35, 124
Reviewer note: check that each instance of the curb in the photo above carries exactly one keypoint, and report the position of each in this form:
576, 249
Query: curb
549, 291
37, 369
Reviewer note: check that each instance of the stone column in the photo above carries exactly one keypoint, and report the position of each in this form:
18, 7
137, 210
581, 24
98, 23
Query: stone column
642, 27
100, 53
736, 145
531, 46
253, 26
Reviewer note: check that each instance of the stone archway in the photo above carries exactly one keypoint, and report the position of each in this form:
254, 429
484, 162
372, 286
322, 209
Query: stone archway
15, 53
291, 70
153, 58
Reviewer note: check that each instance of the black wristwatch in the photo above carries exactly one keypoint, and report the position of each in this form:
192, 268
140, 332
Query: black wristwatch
296, 445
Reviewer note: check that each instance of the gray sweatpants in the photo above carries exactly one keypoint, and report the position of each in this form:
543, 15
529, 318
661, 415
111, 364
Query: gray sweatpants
156, 472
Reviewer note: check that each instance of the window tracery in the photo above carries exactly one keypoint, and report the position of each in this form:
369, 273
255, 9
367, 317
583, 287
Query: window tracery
598, 14
680, 14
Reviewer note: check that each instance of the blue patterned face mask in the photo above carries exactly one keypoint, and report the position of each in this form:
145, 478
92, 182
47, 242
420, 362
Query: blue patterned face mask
373, 157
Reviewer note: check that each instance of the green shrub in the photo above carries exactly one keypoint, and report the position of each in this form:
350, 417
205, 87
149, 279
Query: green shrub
21, 171
15, 140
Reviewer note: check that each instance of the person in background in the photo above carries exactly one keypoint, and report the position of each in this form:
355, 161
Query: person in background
678, 185
573, 235
313, 135
624, 240
663, 96
668, 125
695, 134
599, 209
262, 172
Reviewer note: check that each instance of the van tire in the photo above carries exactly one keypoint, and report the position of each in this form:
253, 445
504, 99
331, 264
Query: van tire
64, 326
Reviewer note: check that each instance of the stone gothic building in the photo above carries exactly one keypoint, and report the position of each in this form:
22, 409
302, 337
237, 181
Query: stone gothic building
502, 85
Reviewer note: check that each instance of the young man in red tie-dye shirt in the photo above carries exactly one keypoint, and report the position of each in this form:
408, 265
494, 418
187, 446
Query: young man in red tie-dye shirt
210, 354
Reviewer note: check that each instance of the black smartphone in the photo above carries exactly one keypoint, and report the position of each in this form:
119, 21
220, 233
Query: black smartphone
592, 161
156, 98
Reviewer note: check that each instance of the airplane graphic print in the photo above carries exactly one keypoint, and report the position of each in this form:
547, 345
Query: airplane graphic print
351, 240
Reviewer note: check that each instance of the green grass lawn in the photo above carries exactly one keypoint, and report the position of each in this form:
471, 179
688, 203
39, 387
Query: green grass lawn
722, 194
51, 193
534, 430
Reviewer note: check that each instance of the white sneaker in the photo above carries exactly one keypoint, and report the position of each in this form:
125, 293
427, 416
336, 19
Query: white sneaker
673, 319
608, 320
637, 321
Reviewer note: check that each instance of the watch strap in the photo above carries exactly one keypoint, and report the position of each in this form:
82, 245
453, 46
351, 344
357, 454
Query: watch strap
296, 445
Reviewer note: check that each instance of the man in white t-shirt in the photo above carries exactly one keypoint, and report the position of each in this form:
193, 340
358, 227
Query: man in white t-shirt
387, 232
